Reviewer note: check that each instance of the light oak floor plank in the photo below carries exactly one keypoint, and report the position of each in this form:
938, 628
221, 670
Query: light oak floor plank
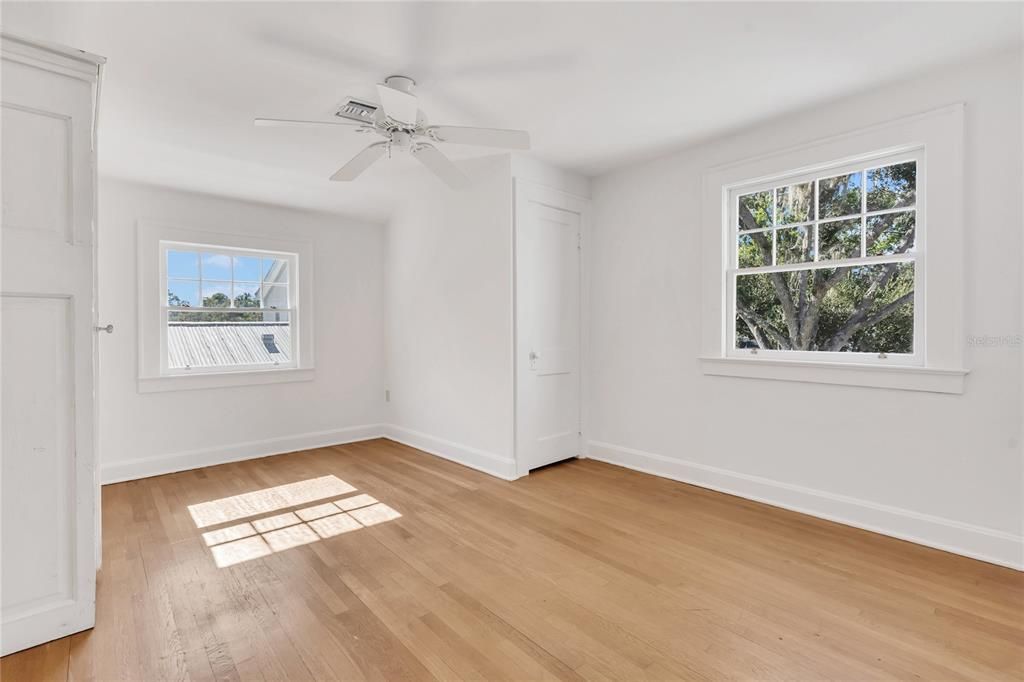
582, 570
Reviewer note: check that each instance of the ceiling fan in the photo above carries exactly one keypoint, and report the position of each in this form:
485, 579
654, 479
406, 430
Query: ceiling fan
404, 128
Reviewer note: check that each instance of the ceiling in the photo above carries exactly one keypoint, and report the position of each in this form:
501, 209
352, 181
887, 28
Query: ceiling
597, 85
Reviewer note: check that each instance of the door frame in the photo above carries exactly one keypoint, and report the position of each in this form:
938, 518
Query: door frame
526, 191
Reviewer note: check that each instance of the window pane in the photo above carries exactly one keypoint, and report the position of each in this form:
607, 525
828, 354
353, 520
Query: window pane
222, 339
892, 186
839, 195
216, 294
275, 270
890, 233
865, 309
889, 323
760, 322
183, 264
247, 294
247, 269
275, 296
182, 292
216, 266
754, 249
795, 204
794, 245
839, 239
755, 210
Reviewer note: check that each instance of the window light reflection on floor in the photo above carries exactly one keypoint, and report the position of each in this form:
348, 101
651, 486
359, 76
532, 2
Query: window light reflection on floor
267, 500
261, 537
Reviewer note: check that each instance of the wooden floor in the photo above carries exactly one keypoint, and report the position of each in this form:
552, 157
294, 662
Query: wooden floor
581, 570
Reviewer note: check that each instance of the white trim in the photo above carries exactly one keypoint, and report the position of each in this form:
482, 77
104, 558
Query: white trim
157, 465
227, 379
152, 236
939, 317
12, 39
976, 542
902, 377
59, 59
481, 460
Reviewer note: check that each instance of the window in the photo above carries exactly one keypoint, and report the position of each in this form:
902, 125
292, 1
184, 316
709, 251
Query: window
226, 309
840, 260
824, 265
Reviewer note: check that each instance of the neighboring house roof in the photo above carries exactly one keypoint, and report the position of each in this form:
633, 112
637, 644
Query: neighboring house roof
221, 344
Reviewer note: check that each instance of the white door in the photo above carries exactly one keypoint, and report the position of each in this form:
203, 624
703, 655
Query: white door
47, 344
547, 328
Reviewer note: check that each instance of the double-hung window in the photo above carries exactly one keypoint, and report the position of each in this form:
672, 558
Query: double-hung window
826, 265
227, 309
840, 260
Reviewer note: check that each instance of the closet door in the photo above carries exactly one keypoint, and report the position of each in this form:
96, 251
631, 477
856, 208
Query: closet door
47, 343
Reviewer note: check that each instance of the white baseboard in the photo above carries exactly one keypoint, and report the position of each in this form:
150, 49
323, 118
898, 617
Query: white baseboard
487, 462
129, 470
986, 544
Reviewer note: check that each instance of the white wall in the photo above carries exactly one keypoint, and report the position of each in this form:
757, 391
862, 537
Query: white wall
449, 326
449, 310
945, 470
144, 434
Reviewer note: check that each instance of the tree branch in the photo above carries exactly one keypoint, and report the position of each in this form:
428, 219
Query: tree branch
840, 338
756, 322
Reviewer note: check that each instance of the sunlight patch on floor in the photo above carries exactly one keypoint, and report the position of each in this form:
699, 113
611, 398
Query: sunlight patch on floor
263, 536
267, 500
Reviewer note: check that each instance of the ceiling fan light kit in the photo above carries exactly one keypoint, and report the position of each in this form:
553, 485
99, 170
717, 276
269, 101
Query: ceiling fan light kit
398, 119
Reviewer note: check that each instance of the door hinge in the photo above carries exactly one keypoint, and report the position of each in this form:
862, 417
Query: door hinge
579, 241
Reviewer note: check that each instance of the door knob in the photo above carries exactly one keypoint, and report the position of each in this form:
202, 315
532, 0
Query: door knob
534, 356
108, 329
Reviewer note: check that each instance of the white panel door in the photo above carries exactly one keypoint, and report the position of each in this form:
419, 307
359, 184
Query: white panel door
547, 331
47, 344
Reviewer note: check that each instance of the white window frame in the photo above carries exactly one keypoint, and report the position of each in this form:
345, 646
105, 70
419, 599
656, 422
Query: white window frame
293, 306
918, 256
935, 139
153, 239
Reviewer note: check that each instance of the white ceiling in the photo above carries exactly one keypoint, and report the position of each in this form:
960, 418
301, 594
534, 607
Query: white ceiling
597, 85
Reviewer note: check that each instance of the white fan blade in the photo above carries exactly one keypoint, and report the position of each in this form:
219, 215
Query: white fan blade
399, 105
360, 162
482, 137
443, 168
290, 123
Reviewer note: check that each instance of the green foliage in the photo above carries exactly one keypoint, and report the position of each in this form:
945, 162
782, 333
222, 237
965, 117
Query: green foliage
760, 207
247, 300
217, 300
839, 196
892, 186
174, 300
892, 334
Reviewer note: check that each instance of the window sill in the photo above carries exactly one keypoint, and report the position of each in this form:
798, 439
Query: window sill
904, 378
222, 379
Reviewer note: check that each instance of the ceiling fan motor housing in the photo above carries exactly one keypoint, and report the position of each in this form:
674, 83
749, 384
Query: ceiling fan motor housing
401, 139
402, 83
